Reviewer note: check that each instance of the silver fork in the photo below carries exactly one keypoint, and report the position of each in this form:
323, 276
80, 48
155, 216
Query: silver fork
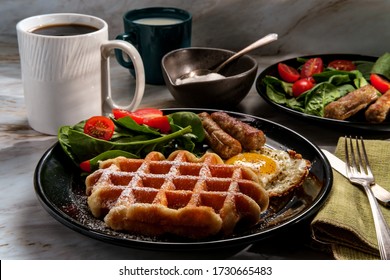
359, 173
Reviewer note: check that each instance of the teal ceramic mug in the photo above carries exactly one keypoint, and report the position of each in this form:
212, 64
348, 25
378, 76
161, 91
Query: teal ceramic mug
154, 32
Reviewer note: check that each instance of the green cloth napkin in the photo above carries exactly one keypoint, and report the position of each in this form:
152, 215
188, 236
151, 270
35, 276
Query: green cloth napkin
345, 221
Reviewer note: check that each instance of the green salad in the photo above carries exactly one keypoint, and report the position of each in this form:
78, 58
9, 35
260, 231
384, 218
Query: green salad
312, 86
129, 138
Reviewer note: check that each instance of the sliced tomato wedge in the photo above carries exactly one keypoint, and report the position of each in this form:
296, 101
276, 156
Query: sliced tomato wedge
311, 67
302, 85
288, 73
148, 116
140, 113
380, 83
143, 114
160, 122
99, 127
148, 112
120, 113
344, 65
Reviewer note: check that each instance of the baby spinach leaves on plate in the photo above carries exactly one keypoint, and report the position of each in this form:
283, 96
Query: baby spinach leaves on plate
382, 66
132, 139
330, 85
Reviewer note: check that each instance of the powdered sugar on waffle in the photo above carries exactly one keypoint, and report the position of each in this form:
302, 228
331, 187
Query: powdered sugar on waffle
183, 195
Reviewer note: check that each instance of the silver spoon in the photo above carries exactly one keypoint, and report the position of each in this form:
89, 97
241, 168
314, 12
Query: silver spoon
261, 42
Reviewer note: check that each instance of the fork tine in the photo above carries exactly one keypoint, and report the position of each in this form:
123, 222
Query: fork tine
353, 165
348, 165
368, 168
359, 155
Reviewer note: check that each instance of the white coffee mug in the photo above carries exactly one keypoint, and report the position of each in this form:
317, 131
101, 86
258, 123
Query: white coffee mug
66, 76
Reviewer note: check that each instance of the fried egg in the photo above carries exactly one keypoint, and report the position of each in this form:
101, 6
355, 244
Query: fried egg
264, 166
279, 171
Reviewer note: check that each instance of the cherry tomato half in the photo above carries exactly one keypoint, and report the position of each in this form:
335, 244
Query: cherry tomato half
99, 127
302, 85
344, 65
287, 73
311, 67
380, 83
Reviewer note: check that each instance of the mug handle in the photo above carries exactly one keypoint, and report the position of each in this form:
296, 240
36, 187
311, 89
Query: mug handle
136, 59
127, 37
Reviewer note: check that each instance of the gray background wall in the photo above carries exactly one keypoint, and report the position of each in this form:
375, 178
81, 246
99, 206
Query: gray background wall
315, 26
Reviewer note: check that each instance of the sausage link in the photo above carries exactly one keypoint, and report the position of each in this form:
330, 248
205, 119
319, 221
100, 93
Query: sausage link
351, 103
379, 111
250, 137
219, 141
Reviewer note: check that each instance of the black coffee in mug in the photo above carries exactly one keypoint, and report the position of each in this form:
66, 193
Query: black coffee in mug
64, 29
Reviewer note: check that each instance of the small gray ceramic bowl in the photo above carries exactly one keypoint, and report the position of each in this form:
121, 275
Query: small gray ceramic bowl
228, 92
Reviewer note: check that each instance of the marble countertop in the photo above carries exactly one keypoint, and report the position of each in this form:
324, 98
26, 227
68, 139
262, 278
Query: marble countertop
29, 232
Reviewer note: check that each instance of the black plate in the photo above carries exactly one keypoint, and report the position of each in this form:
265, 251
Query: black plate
61, 190
273, 71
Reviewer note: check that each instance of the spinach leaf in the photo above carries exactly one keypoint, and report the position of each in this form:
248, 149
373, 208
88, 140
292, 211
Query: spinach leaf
296, 104
84, 147
278, 85
364, 67
94, 162
321, 95
337, 77
382, 66
184, 119
277, 90
360, 82
63, 139
130, 124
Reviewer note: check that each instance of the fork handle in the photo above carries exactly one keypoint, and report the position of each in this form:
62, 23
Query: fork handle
381, 227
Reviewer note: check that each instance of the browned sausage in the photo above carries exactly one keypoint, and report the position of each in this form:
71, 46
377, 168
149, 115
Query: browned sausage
379, 111
218, 140
250, 137
351, 103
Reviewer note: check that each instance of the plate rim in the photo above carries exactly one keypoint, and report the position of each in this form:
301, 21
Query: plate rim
384, 127
77, 226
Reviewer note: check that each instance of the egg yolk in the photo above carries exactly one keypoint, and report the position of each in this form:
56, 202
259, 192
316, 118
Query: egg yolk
258, 162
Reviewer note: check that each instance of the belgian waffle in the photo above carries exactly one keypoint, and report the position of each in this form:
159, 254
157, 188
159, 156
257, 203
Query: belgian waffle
182, 195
